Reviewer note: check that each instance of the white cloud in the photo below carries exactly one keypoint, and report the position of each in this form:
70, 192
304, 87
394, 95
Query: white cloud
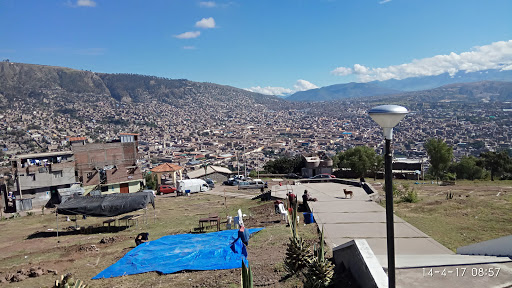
207, 4
189, 47
206, 23
342, 71
303, 85
300, 85
277, 91
384, 1
188, 35
497, 55
85, 3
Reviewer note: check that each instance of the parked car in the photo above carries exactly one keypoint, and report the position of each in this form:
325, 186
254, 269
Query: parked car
210, 183
292, 176
230, 182
165, 189
149, 190
323, 176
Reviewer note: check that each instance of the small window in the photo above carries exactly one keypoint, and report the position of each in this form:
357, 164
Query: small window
57, 174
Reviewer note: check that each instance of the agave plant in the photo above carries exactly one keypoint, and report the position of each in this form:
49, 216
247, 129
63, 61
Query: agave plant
298, 254
246, 276
319, 271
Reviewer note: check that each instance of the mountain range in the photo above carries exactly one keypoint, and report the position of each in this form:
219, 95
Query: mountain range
393, 86
52, 85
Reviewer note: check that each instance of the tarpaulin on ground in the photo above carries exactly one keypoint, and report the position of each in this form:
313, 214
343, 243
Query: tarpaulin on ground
170, 254
106, 205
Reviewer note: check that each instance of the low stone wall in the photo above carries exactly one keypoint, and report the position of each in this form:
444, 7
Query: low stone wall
366, 187
358, 257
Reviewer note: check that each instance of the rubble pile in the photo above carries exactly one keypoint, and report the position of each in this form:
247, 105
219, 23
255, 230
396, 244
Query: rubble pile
23, 274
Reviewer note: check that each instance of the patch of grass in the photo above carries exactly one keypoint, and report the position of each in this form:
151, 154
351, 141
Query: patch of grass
474, 214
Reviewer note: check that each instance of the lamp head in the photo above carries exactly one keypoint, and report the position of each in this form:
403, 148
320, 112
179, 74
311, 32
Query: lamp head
388, 116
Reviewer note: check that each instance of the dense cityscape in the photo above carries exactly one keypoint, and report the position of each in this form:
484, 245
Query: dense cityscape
215, 135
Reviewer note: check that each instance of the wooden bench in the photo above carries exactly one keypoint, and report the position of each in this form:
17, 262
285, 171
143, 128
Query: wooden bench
210, 220
129, 218
109, 221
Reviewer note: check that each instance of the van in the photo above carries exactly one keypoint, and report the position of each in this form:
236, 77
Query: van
253, 184
192, 186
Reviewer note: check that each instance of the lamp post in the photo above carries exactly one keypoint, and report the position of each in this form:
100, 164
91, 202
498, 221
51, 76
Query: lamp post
388, 116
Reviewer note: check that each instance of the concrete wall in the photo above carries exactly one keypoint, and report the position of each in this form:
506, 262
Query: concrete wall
358, 257
495, 247
39, 176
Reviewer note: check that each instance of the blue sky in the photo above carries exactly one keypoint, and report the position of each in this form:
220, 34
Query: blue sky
271, 46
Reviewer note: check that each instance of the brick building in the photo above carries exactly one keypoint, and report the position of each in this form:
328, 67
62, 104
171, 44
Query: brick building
108, 167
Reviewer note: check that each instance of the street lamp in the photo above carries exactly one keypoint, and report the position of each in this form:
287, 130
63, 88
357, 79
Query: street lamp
388, 116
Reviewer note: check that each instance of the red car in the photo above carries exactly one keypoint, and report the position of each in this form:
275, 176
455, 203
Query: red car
165, 189
323, 176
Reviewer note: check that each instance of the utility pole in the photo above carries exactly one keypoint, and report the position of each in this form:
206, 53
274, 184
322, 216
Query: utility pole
245, 164
237, 163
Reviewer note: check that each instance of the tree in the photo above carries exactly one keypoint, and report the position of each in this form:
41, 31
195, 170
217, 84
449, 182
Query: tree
285, 165
495, 162
440, 156
150, 181
467, 168
378, 165
359, 159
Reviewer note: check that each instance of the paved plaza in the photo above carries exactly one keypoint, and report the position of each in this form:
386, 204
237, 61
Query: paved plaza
416, 253
359, 218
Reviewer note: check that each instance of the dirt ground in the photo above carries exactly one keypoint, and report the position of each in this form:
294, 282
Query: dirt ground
29, 243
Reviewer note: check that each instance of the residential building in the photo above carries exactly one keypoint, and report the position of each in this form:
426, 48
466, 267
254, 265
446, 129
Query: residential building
108, 167
39, 176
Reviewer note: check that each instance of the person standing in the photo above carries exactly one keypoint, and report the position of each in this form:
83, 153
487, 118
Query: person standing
292, 199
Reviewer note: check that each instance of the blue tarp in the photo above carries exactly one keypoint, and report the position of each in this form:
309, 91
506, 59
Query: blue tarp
170, 254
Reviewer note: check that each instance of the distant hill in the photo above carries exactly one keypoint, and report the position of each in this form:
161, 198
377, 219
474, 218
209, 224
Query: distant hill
376, 88
341, 91
429, 82
474, 92
39, 82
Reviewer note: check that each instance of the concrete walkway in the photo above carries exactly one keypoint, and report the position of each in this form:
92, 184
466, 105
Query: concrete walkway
360, 218
415, 252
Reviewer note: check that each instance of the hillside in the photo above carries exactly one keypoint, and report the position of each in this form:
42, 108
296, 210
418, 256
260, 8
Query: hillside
39, 82
341, 91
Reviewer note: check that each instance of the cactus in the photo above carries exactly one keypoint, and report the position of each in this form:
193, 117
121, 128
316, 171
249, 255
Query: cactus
246, 276
66, 281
